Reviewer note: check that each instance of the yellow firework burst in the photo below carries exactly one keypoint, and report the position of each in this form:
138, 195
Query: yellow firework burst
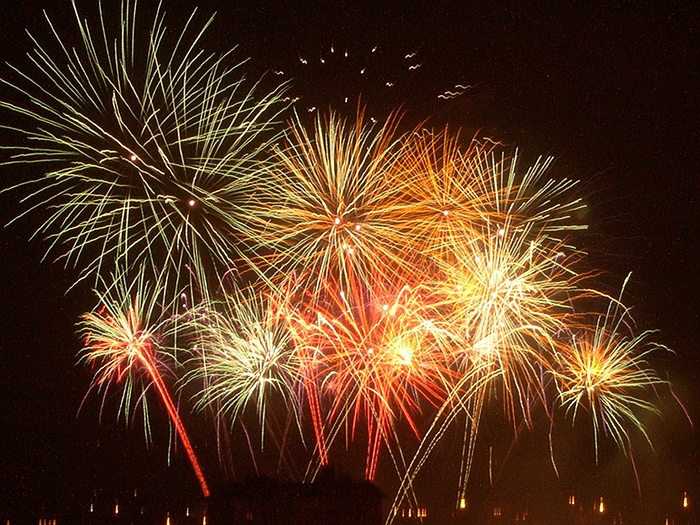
604, 371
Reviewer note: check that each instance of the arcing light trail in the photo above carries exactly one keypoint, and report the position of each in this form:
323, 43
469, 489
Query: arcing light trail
377, 281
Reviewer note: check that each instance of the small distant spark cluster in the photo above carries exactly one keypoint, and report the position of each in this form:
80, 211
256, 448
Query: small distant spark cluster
338, 281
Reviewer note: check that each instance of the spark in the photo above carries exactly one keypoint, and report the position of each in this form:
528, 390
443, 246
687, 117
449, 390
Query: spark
454, 94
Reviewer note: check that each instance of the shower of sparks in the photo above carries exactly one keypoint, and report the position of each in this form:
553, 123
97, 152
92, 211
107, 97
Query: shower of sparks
375, 356
328, 210
374, 279
604, 371
243, 357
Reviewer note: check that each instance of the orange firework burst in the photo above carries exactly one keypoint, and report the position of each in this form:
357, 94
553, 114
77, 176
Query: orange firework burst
503, 278
376, 355
329, 210
439, 187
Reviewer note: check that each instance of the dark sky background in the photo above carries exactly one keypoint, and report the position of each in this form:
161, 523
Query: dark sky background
611, 91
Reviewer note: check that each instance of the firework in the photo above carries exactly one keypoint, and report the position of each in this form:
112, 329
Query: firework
503, 277
376, 356
505, 297
148, 148
604, 371
438, 183
244, 357
506, 195
124, 339
329, 211
401, 283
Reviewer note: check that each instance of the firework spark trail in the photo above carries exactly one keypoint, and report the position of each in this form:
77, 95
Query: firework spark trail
506, 194
472, 384
149, 149
123, 339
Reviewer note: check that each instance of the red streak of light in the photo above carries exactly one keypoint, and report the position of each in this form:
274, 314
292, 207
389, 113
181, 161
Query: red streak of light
373, 446
317, 419
148, 362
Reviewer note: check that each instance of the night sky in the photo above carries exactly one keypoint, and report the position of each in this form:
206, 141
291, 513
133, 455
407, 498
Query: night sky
611, 92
